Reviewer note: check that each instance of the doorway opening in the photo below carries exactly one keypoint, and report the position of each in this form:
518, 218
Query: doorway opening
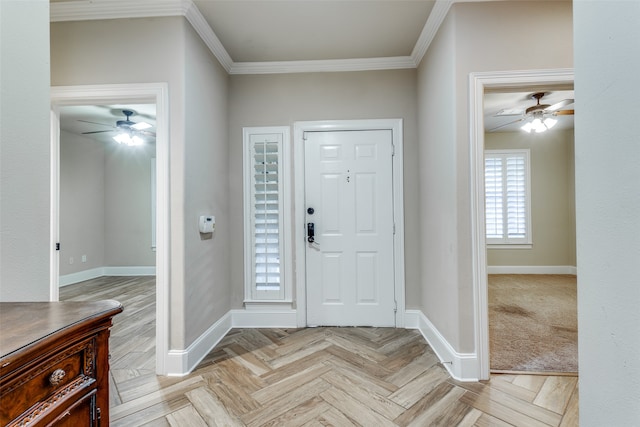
153, 93
479, 83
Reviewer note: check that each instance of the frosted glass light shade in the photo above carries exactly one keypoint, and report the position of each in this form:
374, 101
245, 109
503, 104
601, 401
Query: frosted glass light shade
125, 138
538, 125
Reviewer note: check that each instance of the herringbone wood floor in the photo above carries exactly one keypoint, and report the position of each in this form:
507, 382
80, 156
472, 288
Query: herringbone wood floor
309, 377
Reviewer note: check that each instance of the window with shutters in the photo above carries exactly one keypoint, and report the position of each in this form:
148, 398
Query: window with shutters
507, 197
266, 222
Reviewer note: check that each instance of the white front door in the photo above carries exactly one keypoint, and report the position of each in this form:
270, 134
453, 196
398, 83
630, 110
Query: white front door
349, 205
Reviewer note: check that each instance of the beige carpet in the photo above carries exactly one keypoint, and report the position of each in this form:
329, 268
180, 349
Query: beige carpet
533, 325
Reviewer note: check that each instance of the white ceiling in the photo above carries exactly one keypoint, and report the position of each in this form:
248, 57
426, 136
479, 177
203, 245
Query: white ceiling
268, 31
293, 30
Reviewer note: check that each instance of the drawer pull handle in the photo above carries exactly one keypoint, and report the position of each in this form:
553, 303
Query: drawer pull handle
56, 377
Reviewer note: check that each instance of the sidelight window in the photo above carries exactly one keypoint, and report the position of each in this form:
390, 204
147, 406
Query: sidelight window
265, 214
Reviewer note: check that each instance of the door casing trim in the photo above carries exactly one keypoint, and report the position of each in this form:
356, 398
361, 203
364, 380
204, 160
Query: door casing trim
299, 235
478, 82
157, 93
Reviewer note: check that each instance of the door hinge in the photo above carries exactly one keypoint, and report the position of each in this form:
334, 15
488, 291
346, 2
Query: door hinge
57, 246
304, 136
393, 149
395, 306
394, 228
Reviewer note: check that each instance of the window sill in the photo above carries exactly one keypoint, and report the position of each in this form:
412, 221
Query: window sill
513, 246
268, 304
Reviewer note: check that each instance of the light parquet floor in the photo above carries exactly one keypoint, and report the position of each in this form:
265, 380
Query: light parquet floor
309, 377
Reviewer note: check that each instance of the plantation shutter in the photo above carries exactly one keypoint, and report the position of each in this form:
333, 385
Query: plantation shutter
493, 197
507, 210
265, 219
516, 197
266, 215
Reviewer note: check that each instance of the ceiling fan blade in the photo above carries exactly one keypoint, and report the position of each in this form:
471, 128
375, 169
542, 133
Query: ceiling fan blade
95, 123
558, 105
147, 133
506, 124
96, 131
564, 113
510, 112
141, 126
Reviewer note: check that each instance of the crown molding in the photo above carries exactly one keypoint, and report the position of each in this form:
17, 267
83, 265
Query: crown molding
319, 66
431, 27
84, 10
87, 10
207, 35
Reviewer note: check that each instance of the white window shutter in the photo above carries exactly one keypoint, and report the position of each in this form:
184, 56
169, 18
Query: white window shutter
493, 197
265, 215
507, 197
516, 197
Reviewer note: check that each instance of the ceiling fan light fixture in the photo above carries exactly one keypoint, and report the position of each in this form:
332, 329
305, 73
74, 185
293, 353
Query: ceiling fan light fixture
535, 125
126, 139
539, 124
538, 117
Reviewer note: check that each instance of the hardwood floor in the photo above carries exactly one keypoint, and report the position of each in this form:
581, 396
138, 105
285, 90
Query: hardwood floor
309, 377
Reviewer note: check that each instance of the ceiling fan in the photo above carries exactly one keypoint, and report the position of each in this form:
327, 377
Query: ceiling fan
128, 132
540, 116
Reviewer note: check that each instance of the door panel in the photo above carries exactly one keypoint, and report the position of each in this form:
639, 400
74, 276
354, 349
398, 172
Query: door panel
367, 286
331, 285
348, 183
365, 203
330, 188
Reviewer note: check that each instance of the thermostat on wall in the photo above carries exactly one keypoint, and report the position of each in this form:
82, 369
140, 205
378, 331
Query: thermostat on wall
207, 223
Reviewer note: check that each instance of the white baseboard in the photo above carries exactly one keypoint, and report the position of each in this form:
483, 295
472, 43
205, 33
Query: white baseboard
461, 366
182, 362
81, 276
94, 273
532, 269
130, 271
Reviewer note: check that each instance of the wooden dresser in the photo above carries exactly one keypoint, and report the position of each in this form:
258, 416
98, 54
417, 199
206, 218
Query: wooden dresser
54, 363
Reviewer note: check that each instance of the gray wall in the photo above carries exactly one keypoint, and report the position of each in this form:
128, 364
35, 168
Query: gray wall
607, 58
90, 52
82, 203
24, 151
207, 270
282, 99
127, 204
485, 36
105, 204
553, 220
438, 185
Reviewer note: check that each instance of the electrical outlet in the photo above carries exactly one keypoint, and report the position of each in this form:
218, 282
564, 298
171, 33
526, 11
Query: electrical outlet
70, 260
84, 258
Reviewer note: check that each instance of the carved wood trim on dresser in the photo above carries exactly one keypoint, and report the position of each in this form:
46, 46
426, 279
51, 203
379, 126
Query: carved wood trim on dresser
54, 363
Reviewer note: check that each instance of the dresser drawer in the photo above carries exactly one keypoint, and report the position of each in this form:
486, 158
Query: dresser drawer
63, 374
